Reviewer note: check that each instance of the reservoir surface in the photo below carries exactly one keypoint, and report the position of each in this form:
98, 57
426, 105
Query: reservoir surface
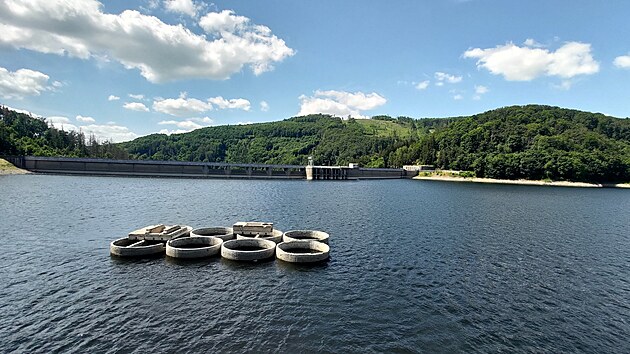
416, 266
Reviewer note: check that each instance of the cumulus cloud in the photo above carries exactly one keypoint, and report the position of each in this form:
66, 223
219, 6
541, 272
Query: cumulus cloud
529, 62
160, 51
340, 103
83, 119
184, 107
185, 125
264, 106
113, 98
105, 132
136, 97
235, 103
22, 82
423, 85
136, 106
186, 7
479, 91
622, 62
442, 77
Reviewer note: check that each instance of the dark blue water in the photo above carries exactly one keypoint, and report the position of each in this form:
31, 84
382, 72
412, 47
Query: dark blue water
415, 266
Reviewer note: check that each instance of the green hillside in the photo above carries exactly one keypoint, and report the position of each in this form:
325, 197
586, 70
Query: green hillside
330, 140
23, 134
530, 142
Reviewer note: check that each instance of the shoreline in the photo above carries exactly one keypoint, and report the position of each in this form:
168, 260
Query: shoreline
7, 169
523, 182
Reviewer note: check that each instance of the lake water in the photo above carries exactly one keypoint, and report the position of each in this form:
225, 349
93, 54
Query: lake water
416, 266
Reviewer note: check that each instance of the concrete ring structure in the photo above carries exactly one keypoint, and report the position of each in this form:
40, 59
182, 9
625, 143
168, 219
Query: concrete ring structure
193, 247
224, 233
248, 249
276, 236
300, 235
293, 251
125, 247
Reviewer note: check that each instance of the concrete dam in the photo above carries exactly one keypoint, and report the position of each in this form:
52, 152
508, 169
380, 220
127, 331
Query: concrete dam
178, 169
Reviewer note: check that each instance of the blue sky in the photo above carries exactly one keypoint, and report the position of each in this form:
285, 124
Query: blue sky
122, 69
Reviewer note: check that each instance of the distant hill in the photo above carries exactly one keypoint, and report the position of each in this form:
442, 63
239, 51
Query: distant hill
330, 140
530, 142
23, 134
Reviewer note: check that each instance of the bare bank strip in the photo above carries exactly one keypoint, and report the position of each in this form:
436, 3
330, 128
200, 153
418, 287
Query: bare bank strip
7, 168
521, 182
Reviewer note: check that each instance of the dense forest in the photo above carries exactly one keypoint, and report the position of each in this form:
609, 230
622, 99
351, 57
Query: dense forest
23, 134
532, 142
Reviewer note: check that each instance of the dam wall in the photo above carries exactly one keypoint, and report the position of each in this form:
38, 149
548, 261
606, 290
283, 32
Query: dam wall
151, 168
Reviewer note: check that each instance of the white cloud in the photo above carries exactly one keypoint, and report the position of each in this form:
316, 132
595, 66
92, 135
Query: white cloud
622, 62
264, 106
185, 107
110, 131
113, 98
161, 52
186, 125
235, 103
136, 106
480, 89
136, 97
181, 107
340, 103
22, 82
83, 119
458, 97
186, 7
444, 77
526, 63
423, 85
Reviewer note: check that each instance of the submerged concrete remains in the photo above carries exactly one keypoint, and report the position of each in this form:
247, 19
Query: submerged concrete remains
193, 247
305, 251
260, 242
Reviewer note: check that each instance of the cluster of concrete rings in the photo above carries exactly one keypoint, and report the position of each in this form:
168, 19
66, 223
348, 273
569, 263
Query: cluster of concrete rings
233, 249
276, 236
224, 233
297, 235
319, 251
124, 247
204, 247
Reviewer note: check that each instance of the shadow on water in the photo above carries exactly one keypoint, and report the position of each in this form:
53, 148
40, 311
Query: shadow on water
117, 260
303, 267
247, 265
193, 261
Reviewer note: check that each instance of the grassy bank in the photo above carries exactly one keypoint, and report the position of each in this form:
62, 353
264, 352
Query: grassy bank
454, 177
7, 168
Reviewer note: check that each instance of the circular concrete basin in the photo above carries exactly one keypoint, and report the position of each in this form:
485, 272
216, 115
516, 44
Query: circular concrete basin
193, 247
248, 249
305, 251
305, 235
124, 247
224, 233
276, 236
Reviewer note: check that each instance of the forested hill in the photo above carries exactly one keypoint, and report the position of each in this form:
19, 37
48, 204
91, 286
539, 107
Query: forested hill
330, 140
23, 134
531, 142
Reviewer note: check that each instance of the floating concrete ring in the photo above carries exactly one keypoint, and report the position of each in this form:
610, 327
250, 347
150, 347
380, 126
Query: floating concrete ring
193, 247
298, 235
248, 249
124, 247
305, 251
276, 236
224, 233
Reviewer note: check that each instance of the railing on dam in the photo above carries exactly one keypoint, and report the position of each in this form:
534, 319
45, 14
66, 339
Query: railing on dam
149, 168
